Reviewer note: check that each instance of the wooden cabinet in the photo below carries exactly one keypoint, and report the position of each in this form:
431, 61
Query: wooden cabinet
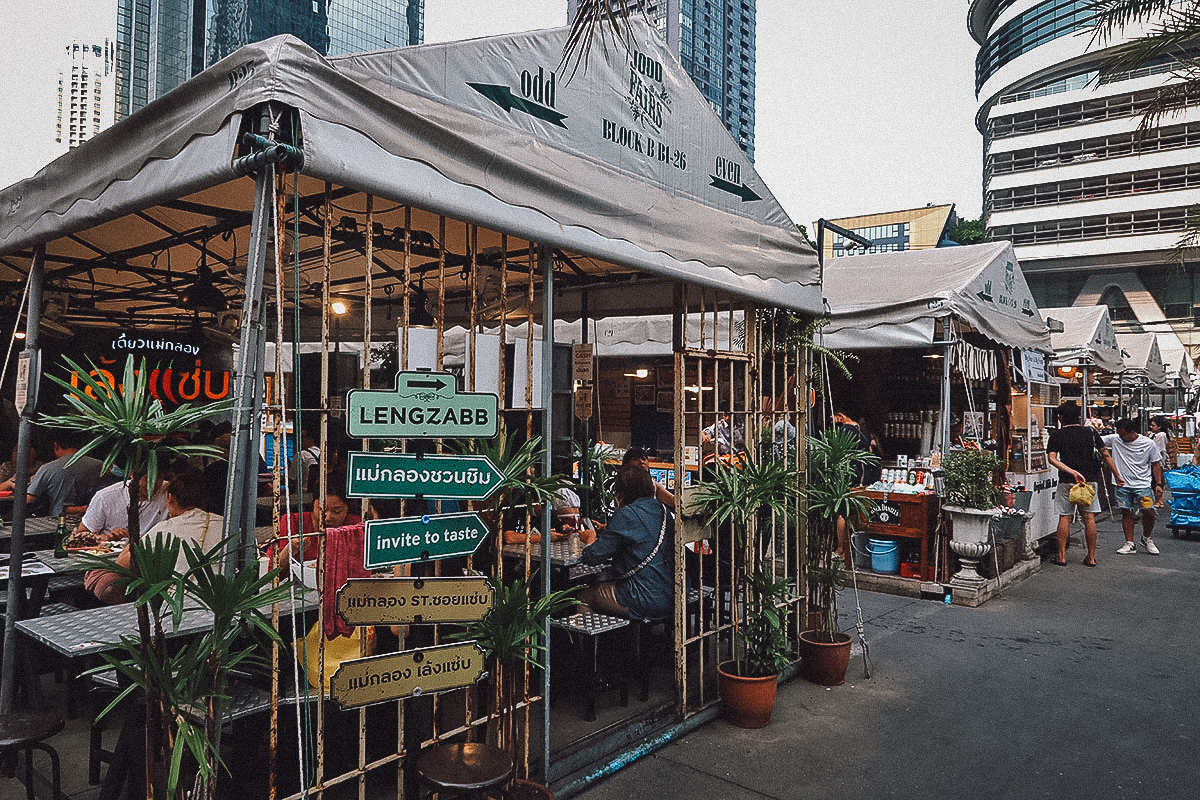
912, 516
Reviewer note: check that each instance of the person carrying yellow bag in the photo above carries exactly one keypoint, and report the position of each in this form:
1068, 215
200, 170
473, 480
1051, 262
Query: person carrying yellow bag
1077, 452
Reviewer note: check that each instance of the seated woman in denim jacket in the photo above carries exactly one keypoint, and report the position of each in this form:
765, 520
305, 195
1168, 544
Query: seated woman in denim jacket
638, 543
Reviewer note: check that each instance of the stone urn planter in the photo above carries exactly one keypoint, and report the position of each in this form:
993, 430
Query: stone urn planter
970, 540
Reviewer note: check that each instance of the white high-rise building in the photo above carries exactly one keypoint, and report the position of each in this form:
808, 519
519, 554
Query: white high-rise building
86, 92
1093, 209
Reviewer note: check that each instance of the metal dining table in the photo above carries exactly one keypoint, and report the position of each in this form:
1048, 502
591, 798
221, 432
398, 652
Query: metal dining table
96, 630
560, 558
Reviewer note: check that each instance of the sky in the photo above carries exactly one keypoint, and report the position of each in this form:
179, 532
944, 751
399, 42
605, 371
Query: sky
861, 106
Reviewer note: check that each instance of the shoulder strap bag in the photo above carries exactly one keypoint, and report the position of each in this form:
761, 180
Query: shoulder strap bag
662, 534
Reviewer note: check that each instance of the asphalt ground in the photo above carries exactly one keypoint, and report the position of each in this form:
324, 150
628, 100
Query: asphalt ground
1076, 683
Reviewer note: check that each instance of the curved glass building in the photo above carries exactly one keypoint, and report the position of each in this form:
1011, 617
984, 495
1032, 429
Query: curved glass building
1094, 212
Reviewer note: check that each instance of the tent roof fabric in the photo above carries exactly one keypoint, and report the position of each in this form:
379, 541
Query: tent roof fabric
1176, 360
1142, 357
623, 163
1087, 338
891, 299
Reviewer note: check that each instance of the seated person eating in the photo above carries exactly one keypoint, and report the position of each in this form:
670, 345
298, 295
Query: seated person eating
638, 543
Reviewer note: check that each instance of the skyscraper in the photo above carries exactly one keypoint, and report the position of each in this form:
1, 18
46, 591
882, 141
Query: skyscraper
1094, 209
86, 81
163, 43
715, 42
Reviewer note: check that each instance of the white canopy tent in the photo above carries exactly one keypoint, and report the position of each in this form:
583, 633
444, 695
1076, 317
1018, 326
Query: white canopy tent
1087, 339
619, 185
1143, 361
1176, 360
607, 168
895, 299
1086, 342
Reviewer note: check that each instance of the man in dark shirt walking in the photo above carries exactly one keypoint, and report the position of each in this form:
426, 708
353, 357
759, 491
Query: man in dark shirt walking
1077, 452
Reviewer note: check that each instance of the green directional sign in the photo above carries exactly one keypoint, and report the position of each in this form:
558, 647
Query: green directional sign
428, 538
439, 477
424, 405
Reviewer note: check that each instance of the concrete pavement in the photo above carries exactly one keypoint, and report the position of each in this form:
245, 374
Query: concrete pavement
1077, 683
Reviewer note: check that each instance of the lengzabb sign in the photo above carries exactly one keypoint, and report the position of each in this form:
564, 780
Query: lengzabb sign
423, 405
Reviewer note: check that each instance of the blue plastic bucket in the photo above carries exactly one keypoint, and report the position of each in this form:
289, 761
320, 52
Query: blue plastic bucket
885, 555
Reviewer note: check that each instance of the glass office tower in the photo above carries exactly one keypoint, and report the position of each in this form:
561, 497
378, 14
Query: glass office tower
715, 42
162, 43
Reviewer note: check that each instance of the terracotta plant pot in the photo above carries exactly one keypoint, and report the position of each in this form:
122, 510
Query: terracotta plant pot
824, 663
747, 701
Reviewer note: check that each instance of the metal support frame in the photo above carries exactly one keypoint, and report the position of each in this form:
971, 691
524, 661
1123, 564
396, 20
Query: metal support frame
16, 588
241, 488
546, 259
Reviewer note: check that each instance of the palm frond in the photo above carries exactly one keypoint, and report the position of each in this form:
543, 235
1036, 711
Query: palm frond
595, 20
1110, 16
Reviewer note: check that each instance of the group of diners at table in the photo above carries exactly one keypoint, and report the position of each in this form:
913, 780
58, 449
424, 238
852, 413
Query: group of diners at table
186, 501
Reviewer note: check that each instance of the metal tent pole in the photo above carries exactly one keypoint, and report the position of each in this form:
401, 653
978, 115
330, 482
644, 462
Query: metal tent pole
945, 401
31, 357
241, 486
547, 265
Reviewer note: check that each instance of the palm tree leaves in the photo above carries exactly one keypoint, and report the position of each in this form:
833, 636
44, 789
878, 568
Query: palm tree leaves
738, 493
512, 630
594, 20
190, 682
834, 458
126, 421
520, 464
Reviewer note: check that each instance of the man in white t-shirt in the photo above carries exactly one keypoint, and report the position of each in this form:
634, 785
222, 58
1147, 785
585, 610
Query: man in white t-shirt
108, 513
1138, 462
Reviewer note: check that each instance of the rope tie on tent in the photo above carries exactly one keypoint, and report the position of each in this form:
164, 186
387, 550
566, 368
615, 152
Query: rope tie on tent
304, 735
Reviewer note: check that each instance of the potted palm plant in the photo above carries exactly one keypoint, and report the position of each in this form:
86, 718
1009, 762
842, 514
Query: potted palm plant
128, 425
746, 496
834, 458
971, 503
511, 635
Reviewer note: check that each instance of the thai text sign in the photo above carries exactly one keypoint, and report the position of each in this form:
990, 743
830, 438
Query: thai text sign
378, 679
424, 405
428, 538
399, 601
433, 476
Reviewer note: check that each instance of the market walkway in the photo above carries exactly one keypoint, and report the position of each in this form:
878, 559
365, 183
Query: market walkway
1077, 683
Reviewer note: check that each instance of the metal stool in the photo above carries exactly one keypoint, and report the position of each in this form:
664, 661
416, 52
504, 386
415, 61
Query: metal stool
592, 625
23, 732
642, 632
464, 770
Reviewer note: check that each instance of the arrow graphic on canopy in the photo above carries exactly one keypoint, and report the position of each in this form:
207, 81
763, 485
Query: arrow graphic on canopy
743, 191
503, 97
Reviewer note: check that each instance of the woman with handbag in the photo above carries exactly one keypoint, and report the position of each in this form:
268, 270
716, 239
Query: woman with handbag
637, 542
1077, 451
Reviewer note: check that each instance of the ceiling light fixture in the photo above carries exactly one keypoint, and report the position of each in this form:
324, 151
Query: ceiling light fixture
338, 307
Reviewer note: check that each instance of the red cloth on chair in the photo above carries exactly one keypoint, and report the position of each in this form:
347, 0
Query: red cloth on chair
343, 559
